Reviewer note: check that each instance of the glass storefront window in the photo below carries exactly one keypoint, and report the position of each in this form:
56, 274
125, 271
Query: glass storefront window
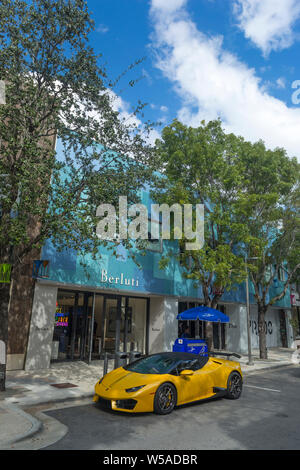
119, 324
182, 325
63, 323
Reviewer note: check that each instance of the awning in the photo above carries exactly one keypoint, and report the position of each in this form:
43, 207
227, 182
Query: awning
204, 314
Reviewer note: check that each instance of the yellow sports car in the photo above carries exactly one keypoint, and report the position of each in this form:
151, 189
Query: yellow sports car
159, 382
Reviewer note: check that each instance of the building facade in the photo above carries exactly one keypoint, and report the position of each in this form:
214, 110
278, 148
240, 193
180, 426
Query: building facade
83, 308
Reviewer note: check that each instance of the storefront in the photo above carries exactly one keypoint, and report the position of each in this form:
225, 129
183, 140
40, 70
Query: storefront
219, 329
69, 324
86, 307
88, 324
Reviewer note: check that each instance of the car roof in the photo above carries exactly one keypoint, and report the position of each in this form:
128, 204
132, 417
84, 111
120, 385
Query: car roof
183, 356
178, 355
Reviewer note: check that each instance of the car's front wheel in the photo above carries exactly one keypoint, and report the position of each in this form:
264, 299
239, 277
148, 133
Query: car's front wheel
234, 386
165, 399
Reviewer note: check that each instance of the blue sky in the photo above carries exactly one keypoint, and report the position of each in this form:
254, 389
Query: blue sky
233, 59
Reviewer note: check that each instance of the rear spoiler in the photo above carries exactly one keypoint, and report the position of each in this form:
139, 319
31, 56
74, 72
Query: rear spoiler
227, 354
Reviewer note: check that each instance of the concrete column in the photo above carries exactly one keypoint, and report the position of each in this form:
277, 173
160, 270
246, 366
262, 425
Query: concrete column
171, 322
41, 327
163, 327
236, 329
289, 329
156, 325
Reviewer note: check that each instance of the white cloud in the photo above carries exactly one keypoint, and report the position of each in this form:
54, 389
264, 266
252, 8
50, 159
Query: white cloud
167, 6
214, 83
281, 82
268, 23
130, 119
102, 28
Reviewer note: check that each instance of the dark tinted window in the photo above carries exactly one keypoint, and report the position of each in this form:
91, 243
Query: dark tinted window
156, 364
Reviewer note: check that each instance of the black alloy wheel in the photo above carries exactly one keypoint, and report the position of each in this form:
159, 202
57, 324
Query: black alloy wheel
165, 399
234, 386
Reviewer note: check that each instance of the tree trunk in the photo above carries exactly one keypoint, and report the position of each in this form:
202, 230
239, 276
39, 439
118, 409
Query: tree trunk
4, 304
263, 353
209, 335
209, 331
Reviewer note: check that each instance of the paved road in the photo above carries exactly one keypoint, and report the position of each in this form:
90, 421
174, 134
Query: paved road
267, 416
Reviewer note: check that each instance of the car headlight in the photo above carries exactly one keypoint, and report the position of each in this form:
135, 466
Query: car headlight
134, 389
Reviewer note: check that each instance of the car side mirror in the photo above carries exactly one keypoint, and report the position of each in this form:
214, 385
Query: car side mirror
187, 372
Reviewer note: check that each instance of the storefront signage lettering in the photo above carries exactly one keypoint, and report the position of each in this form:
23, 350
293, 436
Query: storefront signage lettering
121, 279
295, 299
61, 319
255, 328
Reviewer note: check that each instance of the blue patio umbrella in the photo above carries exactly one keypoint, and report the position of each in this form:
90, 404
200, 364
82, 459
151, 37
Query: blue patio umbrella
204, 314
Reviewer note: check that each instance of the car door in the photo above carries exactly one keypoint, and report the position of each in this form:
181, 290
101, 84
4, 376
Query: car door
197, 386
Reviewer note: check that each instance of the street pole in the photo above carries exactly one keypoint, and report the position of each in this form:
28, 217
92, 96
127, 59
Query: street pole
92, 330
250, 360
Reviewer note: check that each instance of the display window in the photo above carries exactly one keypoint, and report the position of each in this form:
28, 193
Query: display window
86, 325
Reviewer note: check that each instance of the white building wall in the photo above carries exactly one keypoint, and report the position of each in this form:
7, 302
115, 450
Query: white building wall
156, 325
236, 329
272, 320
289, 329
163, 325
171, 322
41, 327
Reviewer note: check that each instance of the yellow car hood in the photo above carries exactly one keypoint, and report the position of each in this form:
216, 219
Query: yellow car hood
122, 379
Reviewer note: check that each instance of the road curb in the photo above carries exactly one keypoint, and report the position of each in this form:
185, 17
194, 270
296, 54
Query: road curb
36, 426
60, 400
271, 366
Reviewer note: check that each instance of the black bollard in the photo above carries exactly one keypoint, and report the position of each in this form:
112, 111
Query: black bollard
105, 364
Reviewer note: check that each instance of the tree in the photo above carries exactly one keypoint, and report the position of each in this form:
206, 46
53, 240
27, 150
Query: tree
200, 166
56, 87
269, 206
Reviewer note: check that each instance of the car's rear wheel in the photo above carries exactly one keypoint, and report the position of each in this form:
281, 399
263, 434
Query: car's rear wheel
165, 399
234, 386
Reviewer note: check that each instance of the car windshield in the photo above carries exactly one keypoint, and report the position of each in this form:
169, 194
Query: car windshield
156, 364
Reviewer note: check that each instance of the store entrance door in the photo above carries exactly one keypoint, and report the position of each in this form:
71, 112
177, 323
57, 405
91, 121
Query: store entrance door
111, 324
81, 327
72, 327
89, 324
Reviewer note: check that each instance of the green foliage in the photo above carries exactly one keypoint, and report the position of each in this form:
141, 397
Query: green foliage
200, 167
251, 199
56, 86
269, 206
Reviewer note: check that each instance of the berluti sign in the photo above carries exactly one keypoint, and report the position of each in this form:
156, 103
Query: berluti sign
121, 279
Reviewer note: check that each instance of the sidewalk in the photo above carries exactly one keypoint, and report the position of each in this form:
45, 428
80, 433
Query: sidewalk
277, 357
76, 380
